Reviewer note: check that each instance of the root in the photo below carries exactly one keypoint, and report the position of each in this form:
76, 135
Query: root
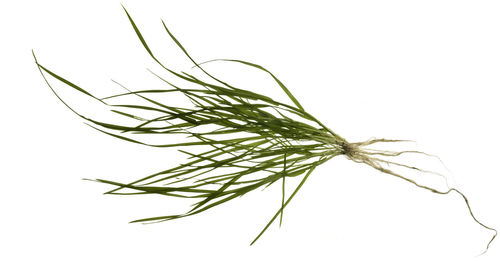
358, 153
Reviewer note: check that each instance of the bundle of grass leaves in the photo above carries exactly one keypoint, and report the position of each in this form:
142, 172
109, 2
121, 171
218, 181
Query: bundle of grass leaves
244, 140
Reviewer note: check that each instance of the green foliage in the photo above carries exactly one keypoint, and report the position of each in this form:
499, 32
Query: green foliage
243, 140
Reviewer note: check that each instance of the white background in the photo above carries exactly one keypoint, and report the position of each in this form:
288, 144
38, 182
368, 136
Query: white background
421, 70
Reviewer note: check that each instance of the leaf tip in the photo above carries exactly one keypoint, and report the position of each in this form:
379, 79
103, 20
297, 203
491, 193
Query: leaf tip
34, 56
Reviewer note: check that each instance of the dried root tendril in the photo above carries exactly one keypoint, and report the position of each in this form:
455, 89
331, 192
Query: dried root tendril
357, 153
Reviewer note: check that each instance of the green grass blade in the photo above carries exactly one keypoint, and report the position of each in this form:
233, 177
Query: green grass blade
283, 190
283, 87
138, 33
189, 56
284, 205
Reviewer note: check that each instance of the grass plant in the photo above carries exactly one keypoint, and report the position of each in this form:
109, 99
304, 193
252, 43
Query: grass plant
244, 140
